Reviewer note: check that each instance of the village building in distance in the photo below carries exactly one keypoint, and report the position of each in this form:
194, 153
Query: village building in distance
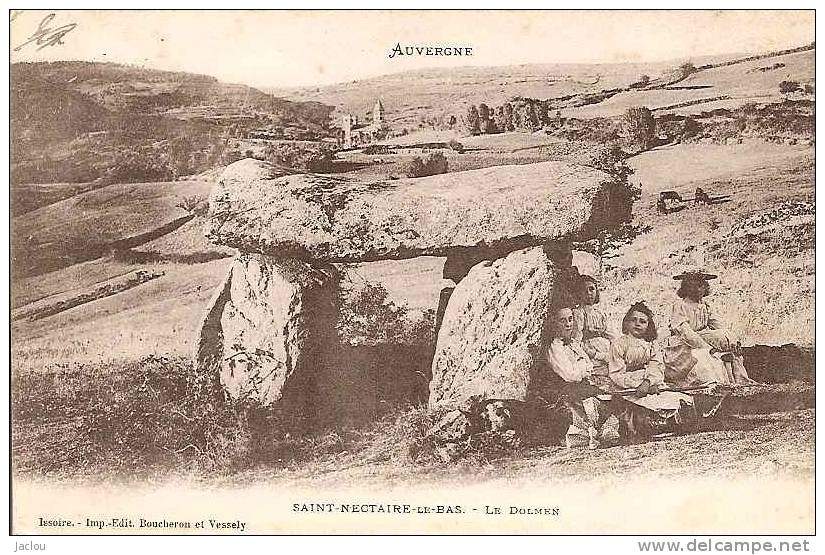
358, 135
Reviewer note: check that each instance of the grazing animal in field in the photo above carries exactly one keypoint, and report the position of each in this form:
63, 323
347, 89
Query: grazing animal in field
701, 197
664, 197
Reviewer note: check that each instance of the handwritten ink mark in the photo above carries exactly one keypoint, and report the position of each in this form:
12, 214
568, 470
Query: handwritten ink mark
45, 36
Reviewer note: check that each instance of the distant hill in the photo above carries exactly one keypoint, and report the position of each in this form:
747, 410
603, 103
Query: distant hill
411, 98
422, 99
77, 121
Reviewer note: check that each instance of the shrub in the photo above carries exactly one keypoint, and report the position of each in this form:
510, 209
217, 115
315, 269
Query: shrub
456, 146
377, 149
368, 312
194, 205
639, 127
687, 69
302, 157
415, 168
787, 87
473, 121
130, 419
135, 165
435, 163
691, 128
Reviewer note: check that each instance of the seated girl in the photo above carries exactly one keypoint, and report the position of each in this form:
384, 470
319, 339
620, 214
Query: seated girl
591, 326
696, 336
569, 361
636, 368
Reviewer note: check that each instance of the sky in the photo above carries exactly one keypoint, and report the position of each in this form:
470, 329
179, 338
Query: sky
310, 48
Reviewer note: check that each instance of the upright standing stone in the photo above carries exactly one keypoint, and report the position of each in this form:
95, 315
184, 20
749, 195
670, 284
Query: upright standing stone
268, 327
492, 330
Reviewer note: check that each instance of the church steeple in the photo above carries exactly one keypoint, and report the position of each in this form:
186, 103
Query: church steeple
378, 114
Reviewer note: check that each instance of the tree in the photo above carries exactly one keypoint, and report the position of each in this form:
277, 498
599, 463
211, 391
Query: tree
508, 118
485, 123
639, 127
473, 120
499, 119
483, 112
532, 117
642, 81
686, 69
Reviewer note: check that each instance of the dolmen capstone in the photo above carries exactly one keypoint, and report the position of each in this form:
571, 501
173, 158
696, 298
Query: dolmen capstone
270, 330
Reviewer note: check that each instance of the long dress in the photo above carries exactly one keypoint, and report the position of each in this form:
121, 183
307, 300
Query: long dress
633, 360
687, 361
571, 363
590, 325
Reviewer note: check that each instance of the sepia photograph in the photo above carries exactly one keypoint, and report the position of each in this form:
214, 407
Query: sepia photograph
412, 272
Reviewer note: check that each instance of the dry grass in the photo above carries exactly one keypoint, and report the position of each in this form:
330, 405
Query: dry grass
101, 390
158, 318
740, 82
149, 419
84, 226
766, 285
153, 416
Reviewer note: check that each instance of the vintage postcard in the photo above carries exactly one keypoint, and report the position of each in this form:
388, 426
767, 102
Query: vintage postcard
412, 272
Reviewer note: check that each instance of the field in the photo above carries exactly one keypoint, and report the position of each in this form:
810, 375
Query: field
738, 84
103, 392
85, 344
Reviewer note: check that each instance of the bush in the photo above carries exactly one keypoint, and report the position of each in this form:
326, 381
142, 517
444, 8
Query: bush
302, 157
194, 205
137, 165
415, 168
435, 163
130, 419
639, 128
377, 149
368, 312
787, 87
643, 81
456, 146
687, 69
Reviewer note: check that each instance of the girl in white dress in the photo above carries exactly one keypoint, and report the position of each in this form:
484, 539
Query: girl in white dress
696, 335
591, 326
636, 363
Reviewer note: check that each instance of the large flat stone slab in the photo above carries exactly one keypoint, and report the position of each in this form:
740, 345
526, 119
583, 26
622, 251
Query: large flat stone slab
259, 208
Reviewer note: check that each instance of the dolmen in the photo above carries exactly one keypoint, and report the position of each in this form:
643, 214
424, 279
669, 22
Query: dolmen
269, 333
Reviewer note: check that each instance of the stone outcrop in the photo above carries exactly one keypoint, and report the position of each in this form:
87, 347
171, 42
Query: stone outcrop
261, 208
270, 332
267, 327
492, 330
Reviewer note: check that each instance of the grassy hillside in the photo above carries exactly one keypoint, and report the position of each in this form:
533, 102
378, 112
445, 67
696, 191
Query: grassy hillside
726, 86
88, 225
81, 121
415, 97
765, 291
425, 99
102, 387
